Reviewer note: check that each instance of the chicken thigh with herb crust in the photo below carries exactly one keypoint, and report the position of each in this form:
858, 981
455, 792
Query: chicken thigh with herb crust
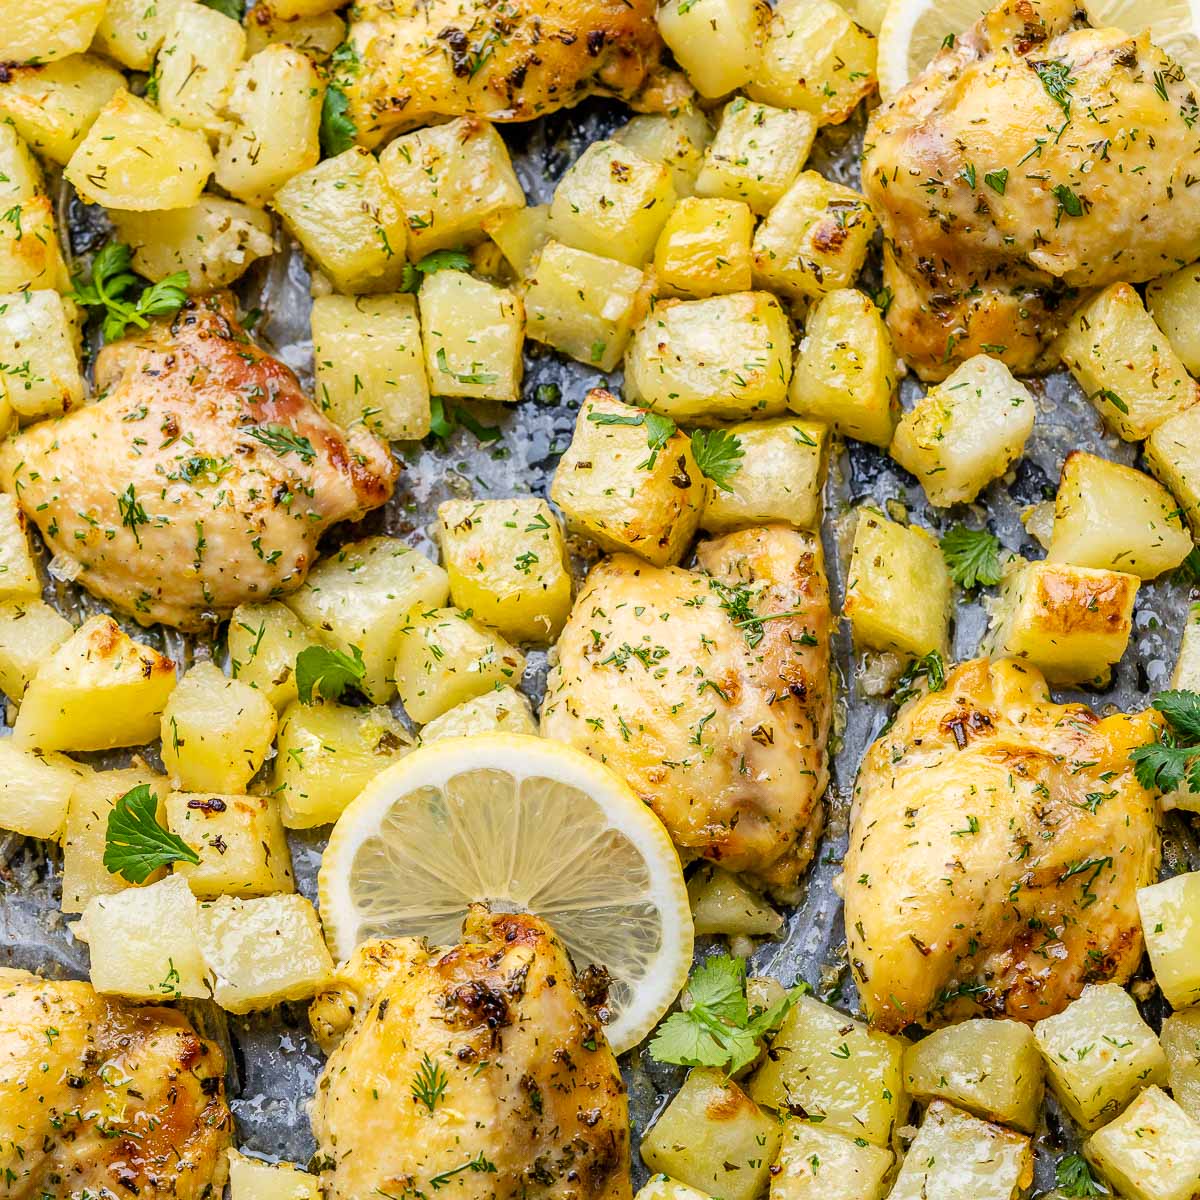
480, 1068
997, 843
200, 479
709, 691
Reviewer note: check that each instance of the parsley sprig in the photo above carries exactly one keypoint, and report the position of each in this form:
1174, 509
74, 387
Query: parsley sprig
330, 672
718, 453
338, 131
1073, 1177
112, 287
972, 555
135, 844
1172, 760
439, 260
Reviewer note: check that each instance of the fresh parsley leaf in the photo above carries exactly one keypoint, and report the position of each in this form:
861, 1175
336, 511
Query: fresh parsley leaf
235, 10
439, 260
281, 440
972, 555
1073, 1177
338, 131
1173, 759
135, 844
718, 454
330, 671
166, 296
1182, 711
112, 284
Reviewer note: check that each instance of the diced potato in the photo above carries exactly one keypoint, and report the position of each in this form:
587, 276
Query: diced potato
1125, 363
444, 658
815, 58
35, 791
676, 139
1174, 303
704, 247
1170, 913
30, 632
713, 1137
53, 107
20, 175
131, 31
817, 1164
1173, 454
327, 755
369, 364
958, 1157
18, 572
780, 477
520, 233
142, 942
714, 41
990, 1068
1071, 622
815, 239
704, 361
318, 36
472, 333
44, 30
134, 158
965, 432
584, 305
216, 732
1180, 1041
1151, 1151
1110, 516
449, 180
1099, 1054
289, 9
39, 355
264, 640
831, 1066
361, 596
196, 67
240, 841
276, 103
612, 201
757, 153
502, 711
99, 690
898, 589
846, 369
263, 951
507, 564
722, 903
662, 1187
348, 220
612, 490
30, 256
251, 1179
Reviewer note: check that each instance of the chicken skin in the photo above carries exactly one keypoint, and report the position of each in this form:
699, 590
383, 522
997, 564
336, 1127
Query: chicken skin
202, 478
102, 1099
709, 691
1033, 158
478, 1071
997, 842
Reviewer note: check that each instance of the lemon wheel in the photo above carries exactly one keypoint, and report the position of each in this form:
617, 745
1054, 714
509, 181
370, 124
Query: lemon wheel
527, 825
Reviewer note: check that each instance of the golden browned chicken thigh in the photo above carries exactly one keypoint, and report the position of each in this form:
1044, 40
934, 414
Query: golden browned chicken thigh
709, 691
1034, 157
997, 842
102, 1099
202, 478
477, 1071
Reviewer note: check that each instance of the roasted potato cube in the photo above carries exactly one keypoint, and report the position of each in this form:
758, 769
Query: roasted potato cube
612, 201
30, 256
1115, 518
450, 179
1170, 913
318, 36
131, 31
815, 239
507, 564
142, 942
846, 369
676, 139
216, 732
704, 247
1180, 1040
757, 153
661, 1187
520, 233
251, 1179
714, 41
990, 1068
611, 489
834, 1067
30, 632
472, 333
965, 432
276, 105
99, 690
327, 754
1173, 454
722, 903
502, 711
44, 30
1099, 1053
196, 67
704, 361
1174, 303
898, 588
361, 596
958, 1157
712, 1136
264, 640
20, 175
240, 841
35, 791
1071, 622
780, 477
584, 305
444, 658
263, 951
18, 572
815, 58
369, 364
291, 9
1151, 1151
39, 360
817, 1164
1125, 363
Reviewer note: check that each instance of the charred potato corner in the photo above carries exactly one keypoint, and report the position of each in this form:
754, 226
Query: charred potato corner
599, 600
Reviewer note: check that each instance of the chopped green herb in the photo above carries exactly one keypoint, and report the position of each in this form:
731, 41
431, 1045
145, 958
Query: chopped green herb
972, 555
330, 671
110, 287
135, 844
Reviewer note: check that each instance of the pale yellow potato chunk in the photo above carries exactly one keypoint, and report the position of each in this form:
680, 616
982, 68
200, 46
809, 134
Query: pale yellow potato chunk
1174, 303
35, 791
251, 1179
722, 903
704, 247
289, 9
714, 41
677, 139
1170, 913
1151, 1151
1173, 454
662, 1187
502, 711
131, 31
196, 67
264, 640
19, 579
20, 174
520, 233
44, 30
317, 37
30, 254
39, 355
1180, 1039
817, 1164
30, 632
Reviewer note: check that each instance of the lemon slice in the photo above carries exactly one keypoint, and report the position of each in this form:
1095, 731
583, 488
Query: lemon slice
528, 825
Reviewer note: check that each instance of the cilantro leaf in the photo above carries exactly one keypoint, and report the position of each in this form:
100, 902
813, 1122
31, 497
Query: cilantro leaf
330, 671
973, 556
338, 131
1182, 710
111, 286
439, 260
1173, 758
719, 984
135, 844
235, 10
718, 454
1073, 1177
